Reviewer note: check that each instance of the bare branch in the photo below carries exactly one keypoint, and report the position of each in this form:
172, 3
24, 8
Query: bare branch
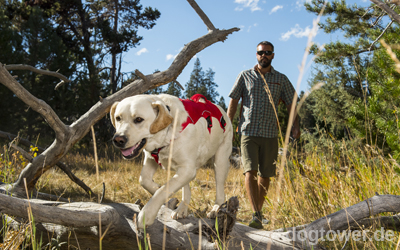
39, 71
379, 37
201, 14
25, 154
179, 85
36, 104
59, 85
59, 164
388, 10
140, 74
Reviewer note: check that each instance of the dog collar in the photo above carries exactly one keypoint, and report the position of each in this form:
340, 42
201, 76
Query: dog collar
155, 153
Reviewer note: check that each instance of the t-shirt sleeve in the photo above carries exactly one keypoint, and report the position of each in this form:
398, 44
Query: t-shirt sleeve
237, 89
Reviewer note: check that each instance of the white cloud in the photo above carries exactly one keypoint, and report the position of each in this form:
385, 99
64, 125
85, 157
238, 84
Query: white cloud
170, 56
252, 4
275, 9
297, 32
144, 50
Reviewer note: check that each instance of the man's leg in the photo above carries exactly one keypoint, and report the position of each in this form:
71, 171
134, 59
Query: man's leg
256, 190
252, 189
263, 185
253, 194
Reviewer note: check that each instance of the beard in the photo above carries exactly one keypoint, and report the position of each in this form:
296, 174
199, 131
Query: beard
264, 63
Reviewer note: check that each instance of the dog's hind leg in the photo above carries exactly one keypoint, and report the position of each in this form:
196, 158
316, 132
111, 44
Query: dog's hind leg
221, 169
146, 176
182, 210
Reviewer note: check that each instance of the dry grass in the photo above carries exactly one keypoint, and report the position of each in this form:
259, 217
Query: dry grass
315, 182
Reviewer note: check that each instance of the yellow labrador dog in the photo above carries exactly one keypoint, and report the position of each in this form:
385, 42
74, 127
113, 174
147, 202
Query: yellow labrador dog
145, 123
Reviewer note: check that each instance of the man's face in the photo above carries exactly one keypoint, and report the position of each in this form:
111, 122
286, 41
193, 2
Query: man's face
264, 60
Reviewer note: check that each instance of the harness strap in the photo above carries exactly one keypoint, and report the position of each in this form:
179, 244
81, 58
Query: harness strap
155, 153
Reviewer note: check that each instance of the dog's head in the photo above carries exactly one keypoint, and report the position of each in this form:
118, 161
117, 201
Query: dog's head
136, 120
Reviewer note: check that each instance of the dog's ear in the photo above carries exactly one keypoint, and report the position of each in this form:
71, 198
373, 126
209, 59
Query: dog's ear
112, 111
162, 120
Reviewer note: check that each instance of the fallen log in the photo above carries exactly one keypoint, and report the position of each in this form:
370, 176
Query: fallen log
83, 224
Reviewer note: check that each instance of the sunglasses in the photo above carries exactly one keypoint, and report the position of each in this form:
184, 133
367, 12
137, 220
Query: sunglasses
266, 52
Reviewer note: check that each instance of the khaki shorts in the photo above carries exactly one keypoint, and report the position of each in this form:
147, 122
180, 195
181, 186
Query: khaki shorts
259, 154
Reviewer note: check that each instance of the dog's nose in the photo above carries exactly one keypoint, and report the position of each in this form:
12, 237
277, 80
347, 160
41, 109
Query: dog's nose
120, 141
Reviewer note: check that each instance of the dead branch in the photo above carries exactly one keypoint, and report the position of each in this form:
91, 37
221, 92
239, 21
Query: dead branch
379, 37
36, 104
39, 71
392, 14
180, 86
59, 164
201, 14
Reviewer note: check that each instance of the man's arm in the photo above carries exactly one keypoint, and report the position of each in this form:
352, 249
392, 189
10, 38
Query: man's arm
233, 103
296, 124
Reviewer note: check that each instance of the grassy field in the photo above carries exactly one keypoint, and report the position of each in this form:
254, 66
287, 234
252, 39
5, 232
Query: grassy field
319, 179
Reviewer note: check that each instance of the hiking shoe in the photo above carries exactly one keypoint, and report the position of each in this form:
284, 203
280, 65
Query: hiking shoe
255, 223
265, 221
261, 218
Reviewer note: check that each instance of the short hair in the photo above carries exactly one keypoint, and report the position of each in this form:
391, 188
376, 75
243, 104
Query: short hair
266, 43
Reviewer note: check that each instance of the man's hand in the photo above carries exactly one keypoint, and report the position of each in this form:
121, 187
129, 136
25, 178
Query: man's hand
296, 131
232, 111
296, 124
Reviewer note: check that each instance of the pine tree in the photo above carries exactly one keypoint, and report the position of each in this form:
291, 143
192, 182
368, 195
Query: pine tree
196, 79
173, 89
361, 85
222, 103
202, 83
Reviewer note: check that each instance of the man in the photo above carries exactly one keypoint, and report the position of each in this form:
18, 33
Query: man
258, 124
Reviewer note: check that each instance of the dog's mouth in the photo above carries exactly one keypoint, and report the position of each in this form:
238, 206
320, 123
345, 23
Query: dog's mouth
132, 152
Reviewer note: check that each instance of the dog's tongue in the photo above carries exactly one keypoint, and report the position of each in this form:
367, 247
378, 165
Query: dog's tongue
128, 151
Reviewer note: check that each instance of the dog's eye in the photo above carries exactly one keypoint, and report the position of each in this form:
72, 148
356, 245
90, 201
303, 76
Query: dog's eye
118, 118
138, 120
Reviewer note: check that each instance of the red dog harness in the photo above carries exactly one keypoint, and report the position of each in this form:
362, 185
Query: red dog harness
196, 110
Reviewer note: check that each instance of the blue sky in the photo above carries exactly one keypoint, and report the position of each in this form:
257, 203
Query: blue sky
285, 23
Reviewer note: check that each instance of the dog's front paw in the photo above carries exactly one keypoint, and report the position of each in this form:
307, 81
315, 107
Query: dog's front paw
180, 212
213, 213
144, 219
